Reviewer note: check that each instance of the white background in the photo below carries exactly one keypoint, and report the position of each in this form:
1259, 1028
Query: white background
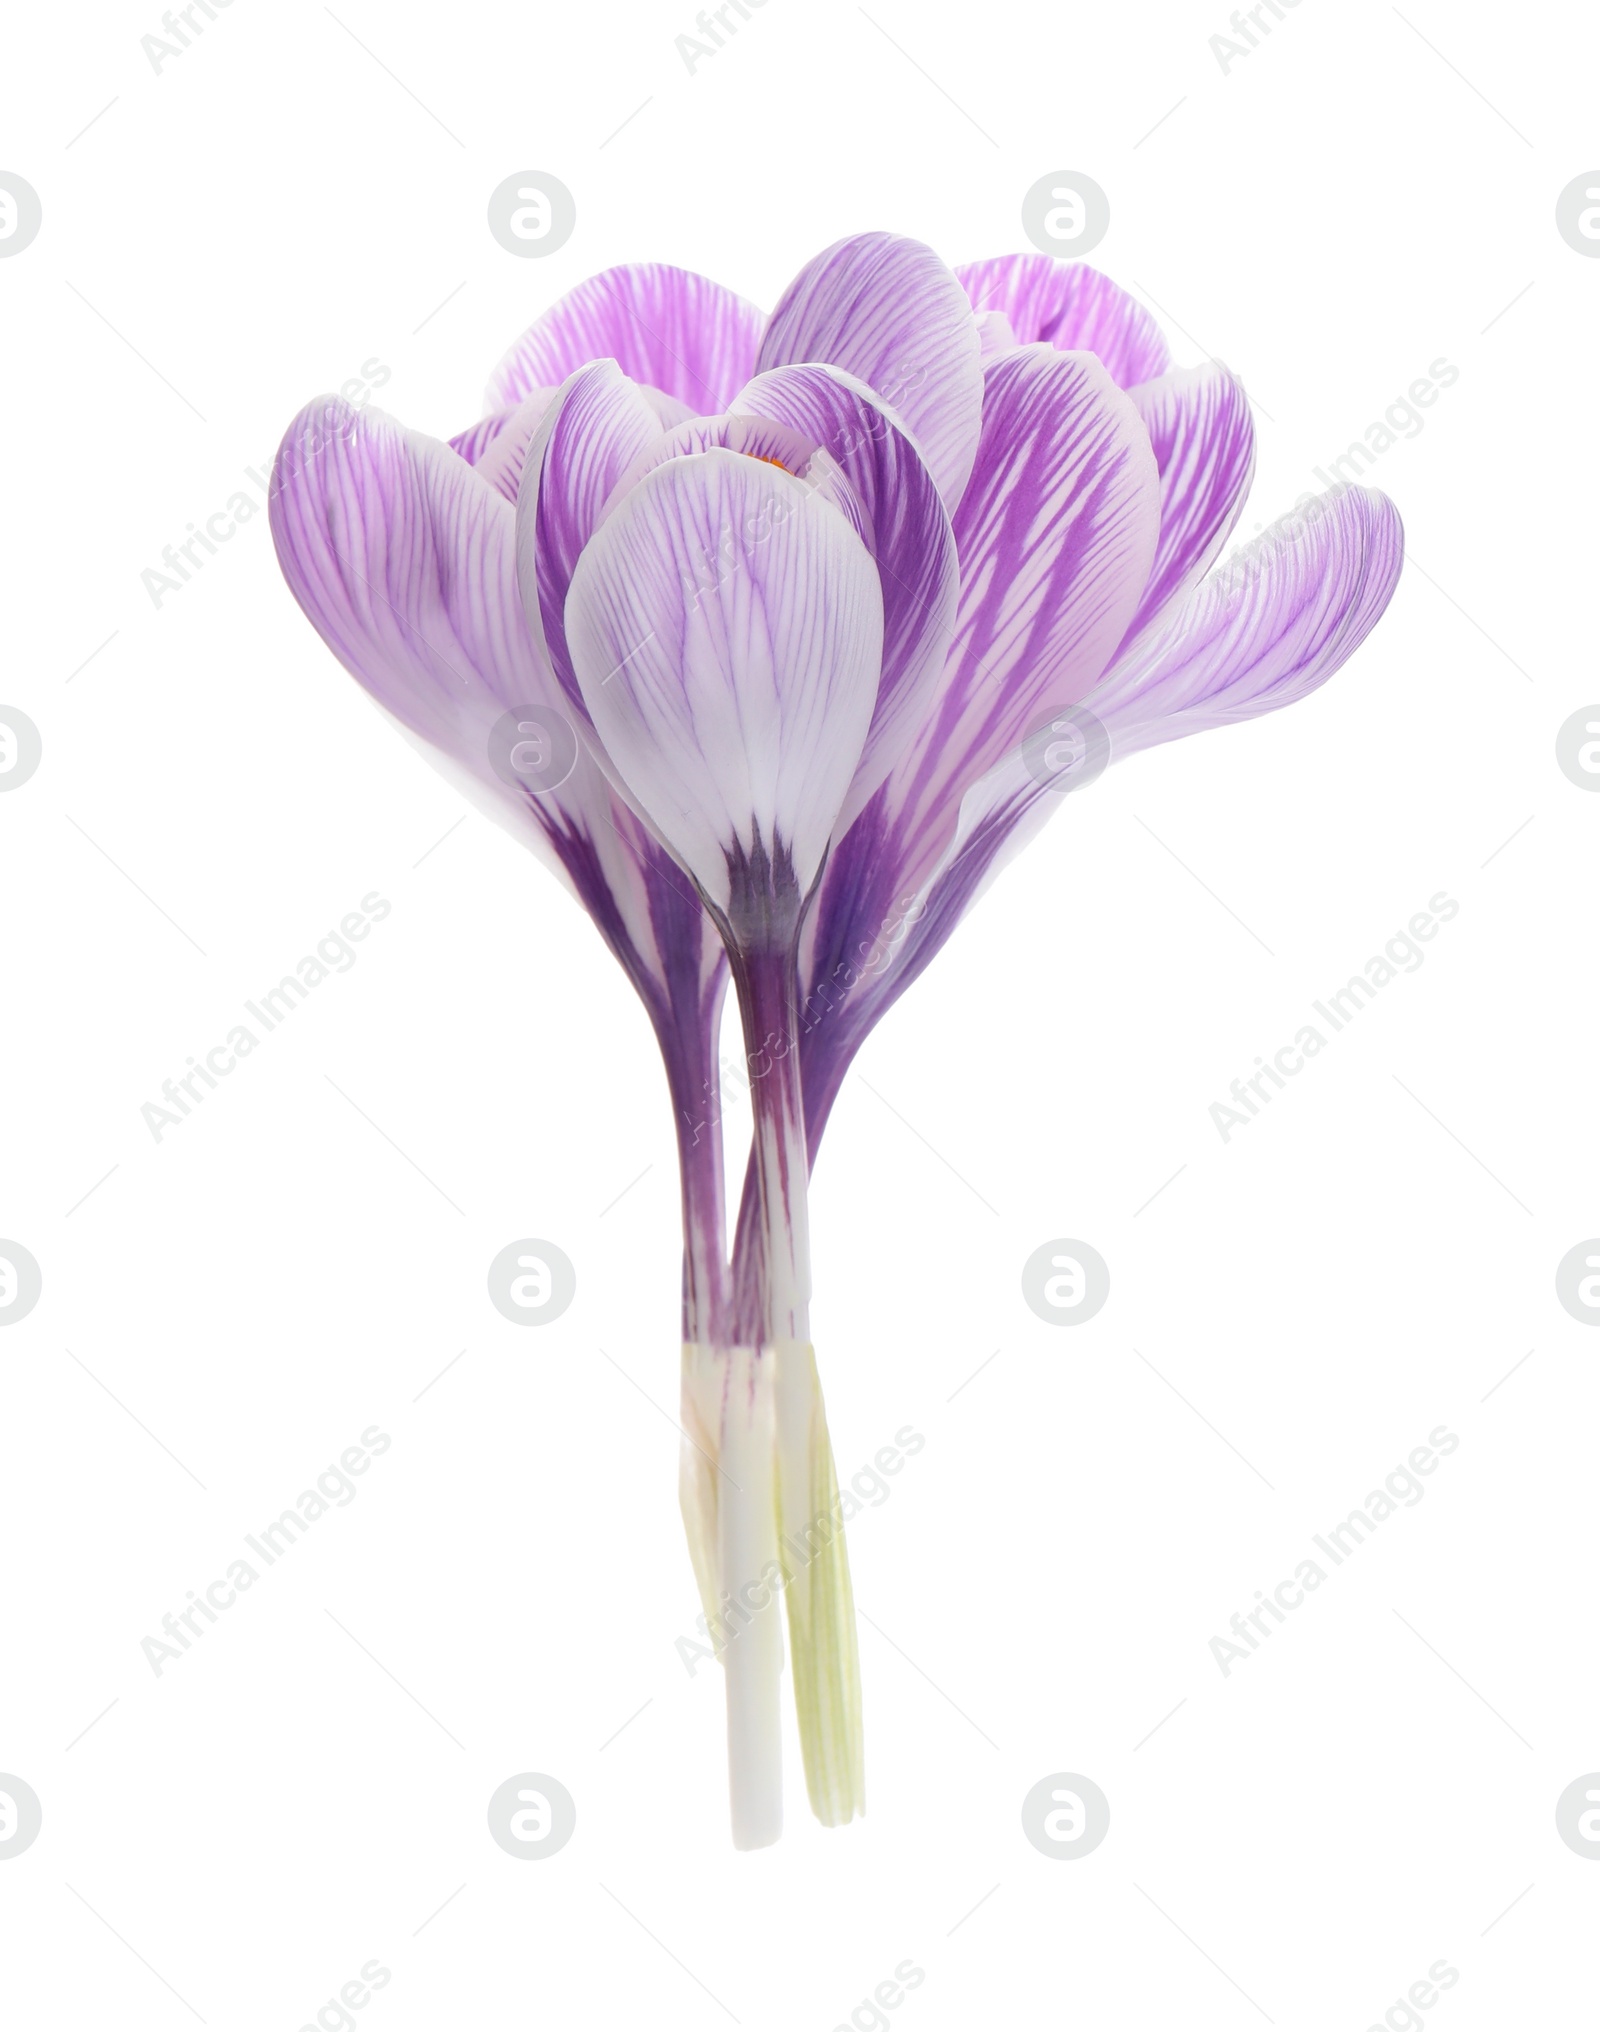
1298, 1842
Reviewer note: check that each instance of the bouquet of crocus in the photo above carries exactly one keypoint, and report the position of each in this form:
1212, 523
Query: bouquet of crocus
774, 637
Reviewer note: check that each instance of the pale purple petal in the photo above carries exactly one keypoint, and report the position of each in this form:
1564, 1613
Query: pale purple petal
902, 521
1270, 627
1201, 433
1055, 536
1271, 624
501, 460
756, 437
994, 334
595, 433
475, 440
669, 411
726, 628
403, 559
888, 311
1266, 629
1072, 307
666, 327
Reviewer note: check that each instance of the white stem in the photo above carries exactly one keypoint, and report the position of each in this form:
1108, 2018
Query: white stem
700, 1413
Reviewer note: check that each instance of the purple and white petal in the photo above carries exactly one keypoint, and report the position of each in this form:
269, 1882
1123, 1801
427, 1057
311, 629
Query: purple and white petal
1055, 535
994, 334
1204, 442
404, 560
669, 411
1273, 624
501, 460
597, 431
902, 521
756, 437
888, 311
471, 443
665, 327
726, 628
1072, 307
1270, 625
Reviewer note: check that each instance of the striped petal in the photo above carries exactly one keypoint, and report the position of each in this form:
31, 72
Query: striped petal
888, 311
726, 629
502, 458
476, 443
1072, 307
666, 327
1200, 430
1270, 626
1055, 537
475, 440
1273, 624
403, 559
994, 334
902, 521
596, 432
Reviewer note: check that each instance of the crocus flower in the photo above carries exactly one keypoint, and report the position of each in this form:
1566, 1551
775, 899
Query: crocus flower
762, 632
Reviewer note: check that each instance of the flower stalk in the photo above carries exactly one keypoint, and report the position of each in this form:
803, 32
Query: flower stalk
772, 1286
